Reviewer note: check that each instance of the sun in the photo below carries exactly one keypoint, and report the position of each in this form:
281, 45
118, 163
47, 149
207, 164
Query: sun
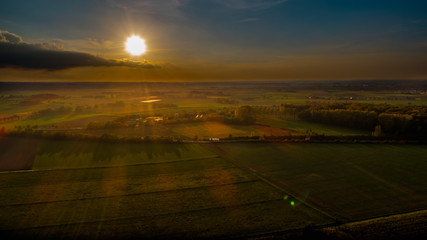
135, 45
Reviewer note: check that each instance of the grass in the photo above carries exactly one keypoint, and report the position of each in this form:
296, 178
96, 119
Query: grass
352, 181
401, 226
143, 204
207, 197
417, 101
73, 154
12, 156
68, 119
217, 129
203, 130
101, 190
301, 126
206, 190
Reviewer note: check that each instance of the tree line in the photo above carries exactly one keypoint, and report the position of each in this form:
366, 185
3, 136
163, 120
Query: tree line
381, 119
110, 138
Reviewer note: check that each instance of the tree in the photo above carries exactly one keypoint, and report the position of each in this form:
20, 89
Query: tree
2, 132
244, 114
378, 132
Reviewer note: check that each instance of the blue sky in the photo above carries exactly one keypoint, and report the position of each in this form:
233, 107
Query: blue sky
277, 39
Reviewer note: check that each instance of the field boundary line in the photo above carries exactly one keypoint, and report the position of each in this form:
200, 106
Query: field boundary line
113, 166
331, 225
146, 216
293, 195
130, 194
111, 178
383, 216
290, 193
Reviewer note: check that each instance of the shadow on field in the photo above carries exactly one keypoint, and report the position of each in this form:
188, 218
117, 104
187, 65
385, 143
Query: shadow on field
105, 152
17, 154
24, 153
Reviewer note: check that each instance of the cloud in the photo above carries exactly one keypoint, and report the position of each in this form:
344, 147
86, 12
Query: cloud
249, 4
99, 46
15, 53
6, 36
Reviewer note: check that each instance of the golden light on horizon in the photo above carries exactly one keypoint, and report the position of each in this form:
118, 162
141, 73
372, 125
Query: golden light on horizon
135, 45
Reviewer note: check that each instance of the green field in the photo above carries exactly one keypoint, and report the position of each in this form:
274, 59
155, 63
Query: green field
205, 130
162, 190
190, 130
89, 189
301, 126
350, 181
70, 154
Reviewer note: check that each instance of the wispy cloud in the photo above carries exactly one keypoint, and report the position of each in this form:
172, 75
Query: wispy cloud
154, 7
16, 53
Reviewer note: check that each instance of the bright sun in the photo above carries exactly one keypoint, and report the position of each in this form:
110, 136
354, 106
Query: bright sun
135, 45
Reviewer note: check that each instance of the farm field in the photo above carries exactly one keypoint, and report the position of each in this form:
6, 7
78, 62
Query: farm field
201, 197
402, 226
222, 130
175, 182
186, 190
301, 126
213, 119
350, 181
201, 130
12, 156
114, 100
70, 154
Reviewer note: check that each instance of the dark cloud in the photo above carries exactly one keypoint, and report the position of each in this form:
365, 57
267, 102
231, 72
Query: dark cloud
16, 53
6, 36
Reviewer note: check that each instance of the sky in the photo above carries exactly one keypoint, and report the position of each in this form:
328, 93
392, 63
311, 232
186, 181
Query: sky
209, 40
